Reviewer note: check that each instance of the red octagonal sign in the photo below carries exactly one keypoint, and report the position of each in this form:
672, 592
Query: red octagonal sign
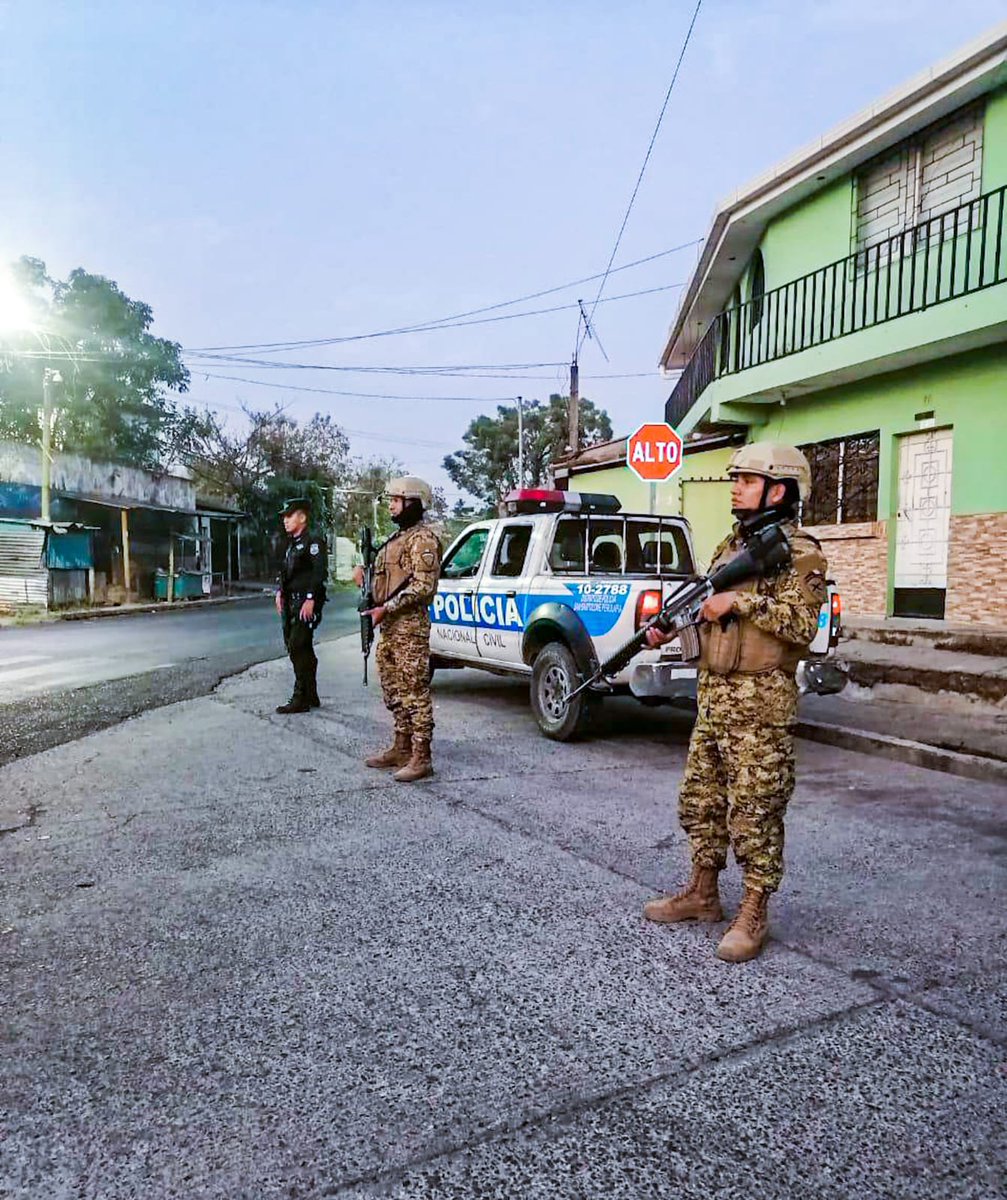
654, 452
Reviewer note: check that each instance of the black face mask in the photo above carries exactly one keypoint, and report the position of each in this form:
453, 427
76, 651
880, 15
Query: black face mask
411, 514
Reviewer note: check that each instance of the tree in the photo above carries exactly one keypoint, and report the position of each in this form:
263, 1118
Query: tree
113, 402
261, 467
488, 468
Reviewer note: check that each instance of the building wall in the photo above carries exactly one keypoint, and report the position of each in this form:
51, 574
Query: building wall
966, 394
809, 235
995, 141
857, 556
20, 464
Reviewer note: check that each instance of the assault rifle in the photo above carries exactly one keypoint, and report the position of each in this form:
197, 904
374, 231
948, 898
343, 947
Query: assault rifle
766, 550
369, 554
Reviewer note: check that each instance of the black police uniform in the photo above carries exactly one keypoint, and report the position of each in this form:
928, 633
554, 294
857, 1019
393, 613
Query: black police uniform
305, 570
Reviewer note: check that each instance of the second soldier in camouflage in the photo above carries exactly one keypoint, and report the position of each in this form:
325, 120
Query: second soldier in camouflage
406, 571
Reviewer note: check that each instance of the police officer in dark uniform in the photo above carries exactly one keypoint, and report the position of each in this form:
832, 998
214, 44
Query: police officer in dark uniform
300, 597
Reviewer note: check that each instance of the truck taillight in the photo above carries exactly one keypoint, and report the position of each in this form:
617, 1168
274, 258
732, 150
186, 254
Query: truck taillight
648, 604
836, 618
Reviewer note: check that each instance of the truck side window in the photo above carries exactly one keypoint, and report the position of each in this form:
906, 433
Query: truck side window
607, 551
512, 550
652, 545
566, 553
463, 561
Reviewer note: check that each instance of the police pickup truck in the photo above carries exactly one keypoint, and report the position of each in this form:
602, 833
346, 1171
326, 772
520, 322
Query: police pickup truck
561, 582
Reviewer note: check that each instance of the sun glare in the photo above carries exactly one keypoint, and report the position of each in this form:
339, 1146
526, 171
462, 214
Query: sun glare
15, 312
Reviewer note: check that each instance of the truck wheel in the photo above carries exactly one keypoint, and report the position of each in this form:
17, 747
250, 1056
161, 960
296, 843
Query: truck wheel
553, 676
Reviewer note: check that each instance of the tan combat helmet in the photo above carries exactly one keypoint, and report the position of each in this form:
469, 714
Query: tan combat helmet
410, 487
775, 461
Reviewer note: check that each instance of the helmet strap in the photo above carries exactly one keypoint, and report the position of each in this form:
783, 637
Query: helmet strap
750, 523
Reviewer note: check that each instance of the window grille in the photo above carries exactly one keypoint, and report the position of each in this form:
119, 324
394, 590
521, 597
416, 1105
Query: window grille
844, 480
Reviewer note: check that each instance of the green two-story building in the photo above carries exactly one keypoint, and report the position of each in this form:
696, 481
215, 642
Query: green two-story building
853, 301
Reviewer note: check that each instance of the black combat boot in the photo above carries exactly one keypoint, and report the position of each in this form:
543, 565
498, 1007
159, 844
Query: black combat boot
296, 704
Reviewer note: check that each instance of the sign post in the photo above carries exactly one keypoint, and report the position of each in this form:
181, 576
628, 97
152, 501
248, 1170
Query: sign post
654, 452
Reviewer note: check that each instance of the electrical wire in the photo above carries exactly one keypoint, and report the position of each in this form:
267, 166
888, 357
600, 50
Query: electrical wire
273, 347
643, 168
202, 402
361, 395
293, 387
273, 364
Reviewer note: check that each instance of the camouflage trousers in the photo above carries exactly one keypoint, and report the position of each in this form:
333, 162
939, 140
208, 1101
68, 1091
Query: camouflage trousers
403, 658
739, 775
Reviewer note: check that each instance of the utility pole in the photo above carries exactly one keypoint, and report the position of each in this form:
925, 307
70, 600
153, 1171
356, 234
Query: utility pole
520, 443
573, 414
49, 377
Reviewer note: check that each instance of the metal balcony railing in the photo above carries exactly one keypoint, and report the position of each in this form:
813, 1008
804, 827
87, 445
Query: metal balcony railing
940, 259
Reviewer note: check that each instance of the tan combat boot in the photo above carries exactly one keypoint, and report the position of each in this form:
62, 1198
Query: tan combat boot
396, 755
419, 766
745, 938
699, 900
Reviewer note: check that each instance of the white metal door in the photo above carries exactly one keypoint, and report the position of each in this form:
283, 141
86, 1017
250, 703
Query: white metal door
923, 523
500, 603
452, 613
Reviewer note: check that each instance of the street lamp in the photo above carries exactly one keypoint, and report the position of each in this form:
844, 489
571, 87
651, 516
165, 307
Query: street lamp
520, 442
49, 377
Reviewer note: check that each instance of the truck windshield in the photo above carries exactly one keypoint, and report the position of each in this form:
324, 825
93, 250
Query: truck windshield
620, 546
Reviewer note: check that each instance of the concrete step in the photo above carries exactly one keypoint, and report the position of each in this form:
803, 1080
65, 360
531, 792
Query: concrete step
927, 668
939, 635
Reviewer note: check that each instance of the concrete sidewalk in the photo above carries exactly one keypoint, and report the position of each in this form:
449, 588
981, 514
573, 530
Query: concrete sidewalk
240, 965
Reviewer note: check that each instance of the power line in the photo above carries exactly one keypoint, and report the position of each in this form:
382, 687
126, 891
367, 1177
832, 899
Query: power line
293, 387
273, 364
271, 347
360, 433
643, 168
438, 369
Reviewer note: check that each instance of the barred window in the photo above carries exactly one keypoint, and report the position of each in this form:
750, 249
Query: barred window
844, 480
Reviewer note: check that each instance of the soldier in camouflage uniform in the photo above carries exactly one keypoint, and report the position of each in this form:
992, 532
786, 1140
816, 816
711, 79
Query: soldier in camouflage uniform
406, 571
739, 775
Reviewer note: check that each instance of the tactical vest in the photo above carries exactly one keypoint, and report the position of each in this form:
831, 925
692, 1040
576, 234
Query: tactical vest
738, 646
393, 568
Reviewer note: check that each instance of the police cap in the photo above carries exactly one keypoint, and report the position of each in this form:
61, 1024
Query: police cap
296, 502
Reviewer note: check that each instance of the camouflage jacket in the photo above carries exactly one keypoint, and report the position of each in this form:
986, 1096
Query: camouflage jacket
407, 569
785, 604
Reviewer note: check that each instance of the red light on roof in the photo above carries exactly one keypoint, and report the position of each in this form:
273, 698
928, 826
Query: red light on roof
525, 500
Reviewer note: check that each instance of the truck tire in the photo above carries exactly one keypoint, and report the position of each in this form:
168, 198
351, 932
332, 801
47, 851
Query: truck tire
554, 674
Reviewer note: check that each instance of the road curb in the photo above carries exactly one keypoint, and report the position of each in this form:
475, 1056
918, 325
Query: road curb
917, 754
83, 614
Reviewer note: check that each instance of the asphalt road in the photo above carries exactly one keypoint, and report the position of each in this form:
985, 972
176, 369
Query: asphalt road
63, 679
239, 964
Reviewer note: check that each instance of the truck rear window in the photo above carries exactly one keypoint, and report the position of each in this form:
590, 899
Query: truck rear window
620, 546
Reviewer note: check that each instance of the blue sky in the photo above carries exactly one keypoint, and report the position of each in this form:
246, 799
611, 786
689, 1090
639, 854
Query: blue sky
267, 172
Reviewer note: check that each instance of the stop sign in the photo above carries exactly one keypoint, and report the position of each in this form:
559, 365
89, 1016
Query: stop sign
654, 452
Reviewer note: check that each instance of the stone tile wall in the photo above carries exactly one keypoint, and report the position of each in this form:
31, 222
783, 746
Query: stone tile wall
977, 570
858, 561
